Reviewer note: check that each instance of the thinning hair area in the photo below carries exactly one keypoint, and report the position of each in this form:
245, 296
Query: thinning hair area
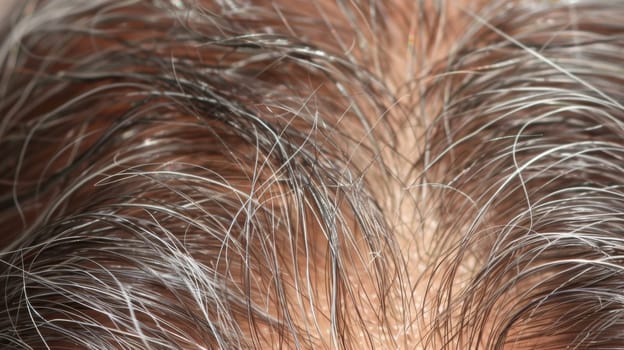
312, 174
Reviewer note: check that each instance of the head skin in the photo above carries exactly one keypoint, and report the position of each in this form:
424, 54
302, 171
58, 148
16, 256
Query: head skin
312, 175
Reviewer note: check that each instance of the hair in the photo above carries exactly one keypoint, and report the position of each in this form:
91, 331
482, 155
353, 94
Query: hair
198, 174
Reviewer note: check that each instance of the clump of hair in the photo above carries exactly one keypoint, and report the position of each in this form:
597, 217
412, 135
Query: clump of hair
530, 141
189, 175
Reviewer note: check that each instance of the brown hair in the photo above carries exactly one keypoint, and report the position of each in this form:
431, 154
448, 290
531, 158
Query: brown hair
276, 174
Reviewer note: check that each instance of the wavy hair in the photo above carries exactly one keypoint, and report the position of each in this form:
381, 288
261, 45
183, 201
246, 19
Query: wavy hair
199, 174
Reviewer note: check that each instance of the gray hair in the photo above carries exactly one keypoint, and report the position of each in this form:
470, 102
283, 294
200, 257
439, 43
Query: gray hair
326, 174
